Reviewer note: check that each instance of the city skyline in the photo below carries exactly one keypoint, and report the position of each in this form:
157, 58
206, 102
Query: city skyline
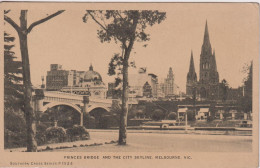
69, 40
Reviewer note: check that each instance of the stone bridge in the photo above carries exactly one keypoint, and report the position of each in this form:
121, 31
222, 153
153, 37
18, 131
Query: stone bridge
42, 100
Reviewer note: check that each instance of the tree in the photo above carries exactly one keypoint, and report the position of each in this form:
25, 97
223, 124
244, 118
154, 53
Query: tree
124, 27
23, 30
158, 114
14, 131
172, 116
224, 90
246, 102
12, 75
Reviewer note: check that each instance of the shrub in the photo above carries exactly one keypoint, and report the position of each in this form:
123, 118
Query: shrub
172, 116
108, 121
191, 116
40, 133
14, 139
14, 128
89, 121
55, 134
210, 118
77, 132
158, 115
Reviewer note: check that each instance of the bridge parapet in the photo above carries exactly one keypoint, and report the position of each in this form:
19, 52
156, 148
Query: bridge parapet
63, 97
104, 101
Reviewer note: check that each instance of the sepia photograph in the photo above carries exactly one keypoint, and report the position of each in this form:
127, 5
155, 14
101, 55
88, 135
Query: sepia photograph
137, 82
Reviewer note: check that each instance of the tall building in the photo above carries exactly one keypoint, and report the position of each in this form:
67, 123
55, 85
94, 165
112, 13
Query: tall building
208, 85
168, 86
56, 78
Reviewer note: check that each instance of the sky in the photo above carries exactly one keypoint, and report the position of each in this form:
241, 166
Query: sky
67, 40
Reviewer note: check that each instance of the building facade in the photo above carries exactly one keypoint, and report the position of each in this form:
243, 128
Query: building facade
87, 83
167, 88
76, 82
137, 83
56, 78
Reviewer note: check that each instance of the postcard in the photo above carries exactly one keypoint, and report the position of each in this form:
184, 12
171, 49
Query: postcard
129, 84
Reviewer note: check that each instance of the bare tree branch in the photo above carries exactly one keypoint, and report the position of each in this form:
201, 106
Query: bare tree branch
43, 20
7, 11
12, 23
103, 27
119, 14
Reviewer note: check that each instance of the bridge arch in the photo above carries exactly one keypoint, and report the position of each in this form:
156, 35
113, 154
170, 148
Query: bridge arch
91, 108
98, 112
53, 104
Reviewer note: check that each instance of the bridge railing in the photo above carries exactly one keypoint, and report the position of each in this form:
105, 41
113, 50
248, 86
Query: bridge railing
63, 95
70, 97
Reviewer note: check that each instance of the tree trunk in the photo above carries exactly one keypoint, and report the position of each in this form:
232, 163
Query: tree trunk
123, 115
29, 113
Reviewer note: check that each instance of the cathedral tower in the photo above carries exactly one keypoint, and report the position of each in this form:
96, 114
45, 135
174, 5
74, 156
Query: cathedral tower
191, 77
209, 77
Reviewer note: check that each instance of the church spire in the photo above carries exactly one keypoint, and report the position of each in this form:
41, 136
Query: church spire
206, 47
191, 77
192, 68
91, 67
214, 60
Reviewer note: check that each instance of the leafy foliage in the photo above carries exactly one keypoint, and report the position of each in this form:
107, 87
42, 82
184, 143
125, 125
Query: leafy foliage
40, 133
12, 75
77, 131
56, 134
13, 97
172, 116
124, 27
158, 114
15, 128
120, 23
65, 115
224, 90
246, 101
